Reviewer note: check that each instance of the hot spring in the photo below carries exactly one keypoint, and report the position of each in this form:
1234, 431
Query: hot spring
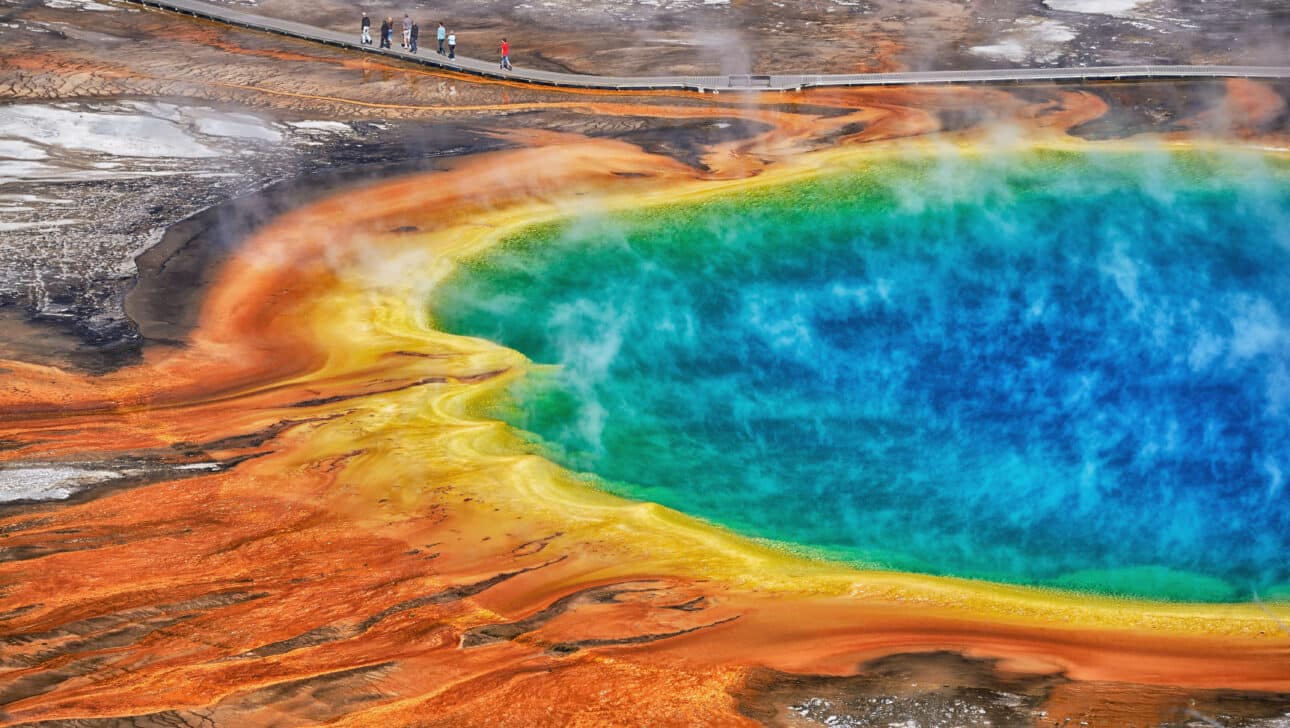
1053, 368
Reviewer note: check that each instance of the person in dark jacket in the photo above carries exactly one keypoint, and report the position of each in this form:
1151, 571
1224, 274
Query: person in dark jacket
367, 30
387, 32
412, 36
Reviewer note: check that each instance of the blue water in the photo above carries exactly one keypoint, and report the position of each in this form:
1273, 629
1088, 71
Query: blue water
1048, 369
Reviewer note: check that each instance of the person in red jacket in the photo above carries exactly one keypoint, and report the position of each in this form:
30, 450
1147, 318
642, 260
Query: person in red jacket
506, 55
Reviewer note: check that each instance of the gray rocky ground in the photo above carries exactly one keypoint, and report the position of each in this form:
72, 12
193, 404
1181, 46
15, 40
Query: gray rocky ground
949, 690
89, 185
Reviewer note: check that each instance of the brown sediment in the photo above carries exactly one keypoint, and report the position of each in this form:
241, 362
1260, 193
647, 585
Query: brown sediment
372, 556
1248, 108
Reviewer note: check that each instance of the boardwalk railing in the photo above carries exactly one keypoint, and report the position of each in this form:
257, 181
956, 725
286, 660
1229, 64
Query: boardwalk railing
709, 84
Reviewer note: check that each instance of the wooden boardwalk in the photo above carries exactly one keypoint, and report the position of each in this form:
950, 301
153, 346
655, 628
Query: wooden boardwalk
702, 84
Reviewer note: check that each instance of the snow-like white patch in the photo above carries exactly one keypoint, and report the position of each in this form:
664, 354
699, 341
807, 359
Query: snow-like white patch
1100, 7
58, 482
18, 149
198, 466
48, 482
131, 129
1035, 39
66, 141
169, 112
124, 135
6, 227
337, 127
1012, 50
210, 122
11, 171
34, 198
78, 5
241, 126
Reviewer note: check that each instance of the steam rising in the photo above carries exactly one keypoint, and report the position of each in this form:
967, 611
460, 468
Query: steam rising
979, 366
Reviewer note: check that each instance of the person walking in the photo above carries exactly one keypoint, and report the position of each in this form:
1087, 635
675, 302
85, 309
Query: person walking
366, 37
452, 44
416, 31
387, 32
506, 56
407, 31
443, 35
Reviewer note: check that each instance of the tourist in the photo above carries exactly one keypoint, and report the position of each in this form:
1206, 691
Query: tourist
407, 31
506, 55
443, 35
387, 32
367, 30
412, 37
452, 44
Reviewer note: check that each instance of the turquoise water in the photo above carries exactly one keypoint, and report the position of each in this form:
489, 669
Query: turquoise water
1049, 369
